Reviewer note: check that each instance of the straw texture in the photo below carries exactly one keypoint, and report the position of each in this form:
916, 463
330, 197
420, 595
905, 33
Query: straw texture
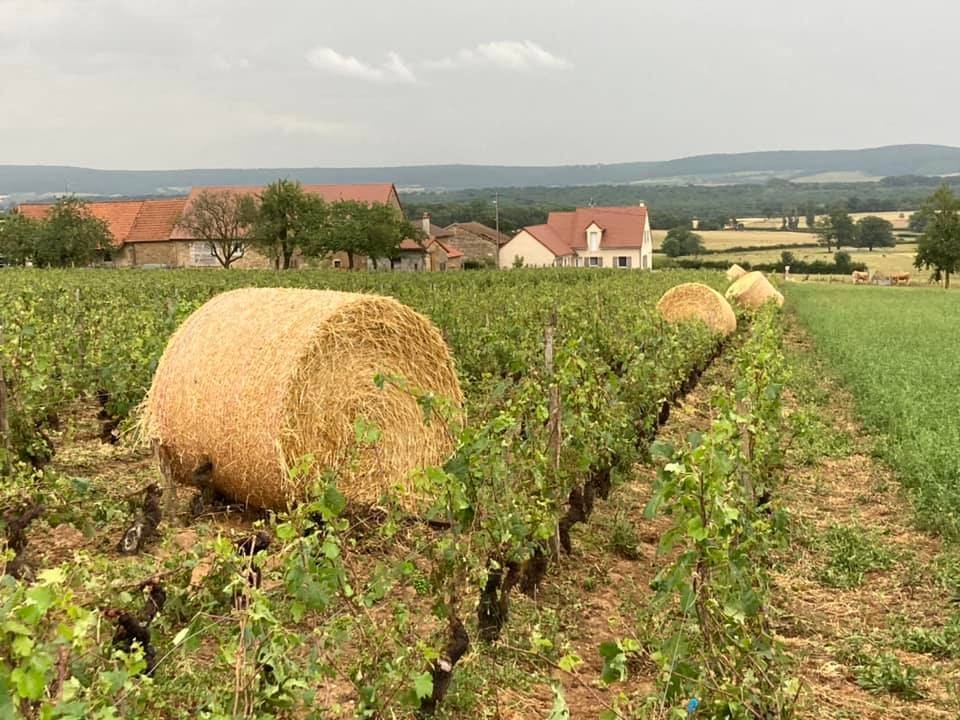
735, 272
259, 377
694, 301
753, 290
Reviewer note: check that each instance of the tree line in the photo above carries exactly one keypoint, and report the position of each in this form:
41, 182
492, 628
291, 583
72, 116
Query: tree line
279, 222
676, 205
835, 229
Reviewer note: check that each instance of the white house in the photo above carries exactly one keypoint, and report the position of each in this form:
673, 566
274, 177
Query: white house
617, 237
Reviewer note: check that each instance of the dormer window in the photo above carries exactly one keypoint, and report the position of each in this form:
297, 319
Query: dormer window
593, 237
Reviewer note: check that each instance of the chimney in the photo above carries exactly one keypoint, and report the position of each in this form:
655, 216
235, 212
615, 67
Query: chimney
426, 224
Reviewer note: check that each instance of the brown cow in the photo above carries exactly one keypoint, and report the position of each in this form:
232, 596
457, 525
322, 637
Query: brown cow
860, 277
900, 278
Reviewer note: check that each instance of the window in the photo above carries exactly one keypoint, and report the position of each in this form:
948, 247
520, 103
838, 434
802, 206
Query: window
594, 262
593, 240
645, 262
337, 263
622, 261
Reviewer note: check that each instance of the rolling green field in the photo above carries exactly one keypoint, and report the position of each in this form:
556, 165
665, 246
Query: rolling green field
897, 350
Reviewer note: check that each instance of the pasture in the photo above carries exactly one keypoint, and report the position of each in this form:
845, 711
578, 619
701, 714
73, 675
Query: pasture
887, 260
897, 349
898, 218
719, 240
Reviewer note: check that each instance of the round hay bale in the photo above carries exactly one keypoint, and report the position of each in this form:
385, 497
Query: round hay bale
735, 272
257, 378
753, 290
694, 301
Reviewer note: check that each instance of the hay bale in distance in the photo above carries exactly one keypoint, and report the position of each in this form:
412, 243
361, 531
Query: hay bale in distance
259, 377
735, 272
694, 301
753, 290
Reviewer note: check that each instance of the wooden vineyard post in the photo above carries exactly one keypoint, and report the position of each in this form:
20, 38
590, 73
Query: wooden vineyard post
4, 424
553, 412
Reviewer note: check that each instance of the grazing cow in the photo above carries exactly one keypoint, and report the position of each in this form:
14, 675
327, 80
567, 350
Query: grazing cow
860, 277
901, 278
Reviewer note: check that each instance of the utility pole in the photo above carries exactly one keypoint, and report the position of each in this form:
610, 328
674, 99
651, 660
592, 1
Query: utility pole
496, 206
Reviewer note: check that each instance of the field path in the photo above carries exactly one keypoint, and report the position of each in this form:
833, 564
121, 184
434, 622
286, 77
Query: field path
853, 527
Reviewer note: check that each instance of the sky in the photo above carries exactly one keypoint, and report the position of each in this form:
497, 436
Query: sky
132, 84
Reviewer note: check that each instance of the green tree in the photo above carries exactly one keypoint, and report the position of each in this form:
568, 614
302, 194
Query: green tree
843, 261
938, 248
360, 229
918, 221
286, 217
18, 238
70, 235
682, 241
837, 228
222, 219
810, 217
873, 231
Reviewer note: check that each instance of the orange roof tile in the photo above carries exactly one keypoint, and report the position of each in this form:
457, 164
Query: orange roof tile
156, 220
119, 215
564, 232
548, 237
369, 193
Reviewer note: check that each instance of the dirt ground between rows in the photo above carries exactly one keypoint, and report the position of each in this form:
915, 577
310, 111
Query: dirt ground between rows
600, 593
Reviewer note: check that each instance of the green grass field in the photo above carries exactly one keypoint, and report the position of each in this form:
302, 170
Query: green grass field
897, 349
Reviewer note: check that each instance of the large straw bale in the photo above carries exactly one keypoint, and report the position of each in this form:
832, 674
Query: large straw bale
753, 290
735, 272
258, 378
694, 301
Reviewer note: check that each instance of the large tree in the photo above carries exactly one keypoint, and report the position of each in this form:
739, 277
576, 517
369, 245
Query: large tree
18, 238
837, 228
938, 248
70, 235
286, 219
359, 229
221, 219
682, 241
873, 231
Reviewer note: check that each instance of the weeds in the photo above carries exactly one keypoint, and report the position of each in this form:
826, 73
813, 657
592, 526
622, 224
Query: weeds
851, 552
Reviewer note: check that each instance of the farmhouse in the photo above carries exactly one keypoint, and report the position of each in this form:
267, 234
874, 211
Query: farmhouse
476, 241
442, 253
140, 230
145, 232
617, 237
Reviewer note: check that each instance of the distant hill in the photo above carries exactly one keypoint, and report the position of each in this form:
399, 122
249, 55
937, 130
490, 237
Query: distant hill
22, 182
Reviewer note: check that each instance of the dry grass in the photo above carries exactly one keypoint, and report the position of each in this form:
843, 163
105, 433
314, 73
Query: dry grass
694, 301
752, 291
258, 378
726, 239
898, 259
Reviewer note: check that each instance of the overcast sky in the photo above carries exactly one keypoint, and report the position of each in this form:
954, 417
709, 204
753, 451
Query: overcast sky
250, 83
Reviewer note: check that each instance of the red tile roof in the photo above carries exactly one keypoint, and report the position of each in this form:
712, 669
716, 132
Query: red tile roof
120, 215
410, 244
370, 193
564, 232
156, 220
452, 251
479, 229
548, 237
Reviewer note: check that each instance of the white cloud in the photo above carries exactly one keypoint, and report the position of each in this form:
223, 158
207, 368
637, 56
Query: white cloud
505, 55
394, 70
